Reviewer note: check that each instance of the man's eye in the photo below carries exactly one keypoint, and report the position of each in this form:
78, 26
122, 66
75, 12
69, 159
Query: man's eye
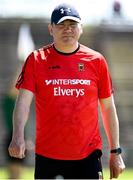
73, 25
60, 25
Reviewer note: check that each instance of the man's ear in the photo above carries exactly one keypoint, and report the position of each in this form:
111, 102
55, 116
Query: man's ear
50, 29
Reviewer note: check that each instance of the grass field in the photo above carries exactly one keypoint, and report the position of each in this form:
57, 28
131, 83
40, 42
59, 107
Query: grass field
28, 174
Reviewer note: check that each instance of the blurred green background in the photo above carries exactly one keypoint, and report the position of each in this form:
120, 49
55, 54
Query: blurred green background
28, 173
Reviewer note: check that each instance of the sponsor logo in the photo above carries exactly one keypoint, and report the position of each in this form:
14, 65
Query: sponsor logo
62, 91
58, 91
67, 82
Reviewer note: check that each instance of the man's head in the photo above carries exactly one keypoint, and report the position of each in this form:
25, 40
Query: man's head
65, 12
65, 26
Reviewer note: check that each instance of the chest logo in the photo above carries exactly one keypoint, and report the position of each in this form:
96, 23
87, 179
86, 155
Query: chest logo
81, 67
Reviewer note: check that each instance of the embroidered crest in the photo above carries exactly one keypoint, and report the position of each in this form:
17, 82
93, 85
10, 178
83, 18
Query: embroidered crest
81, 66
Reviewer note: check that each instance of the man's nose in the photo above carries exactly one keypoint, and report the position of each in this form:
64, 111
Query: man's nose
68, 28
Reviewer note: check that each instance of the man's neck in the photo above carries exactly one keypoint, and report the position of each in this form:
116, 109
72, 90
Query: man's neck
66, 48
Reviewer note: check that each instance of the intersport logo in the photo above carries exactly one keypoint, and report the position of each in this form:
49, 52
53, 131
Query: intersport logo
67, 82
59, 91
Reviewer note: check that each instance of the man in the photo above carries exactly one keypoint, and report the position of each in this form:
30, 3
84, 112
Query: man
67, 79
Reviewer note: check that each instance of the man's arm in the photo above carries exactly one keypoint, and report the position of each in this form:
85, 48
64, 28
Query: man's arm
20, 117
111, 125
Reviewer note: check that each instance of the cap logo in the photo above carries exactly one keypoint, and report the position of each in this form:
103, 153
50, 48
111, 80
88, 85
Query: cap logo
62, 10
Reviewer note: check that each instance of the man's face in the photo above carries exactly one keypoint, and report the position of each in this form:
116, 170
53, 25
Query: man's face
66, 32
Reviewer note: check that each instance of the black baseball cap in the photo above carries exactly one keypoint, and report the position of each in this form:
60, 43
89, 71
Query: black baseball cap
63, 12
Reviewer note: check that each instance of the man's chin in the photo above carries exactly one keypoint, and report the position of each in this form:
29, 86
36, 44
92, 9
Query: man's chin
65, 38
68, 40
